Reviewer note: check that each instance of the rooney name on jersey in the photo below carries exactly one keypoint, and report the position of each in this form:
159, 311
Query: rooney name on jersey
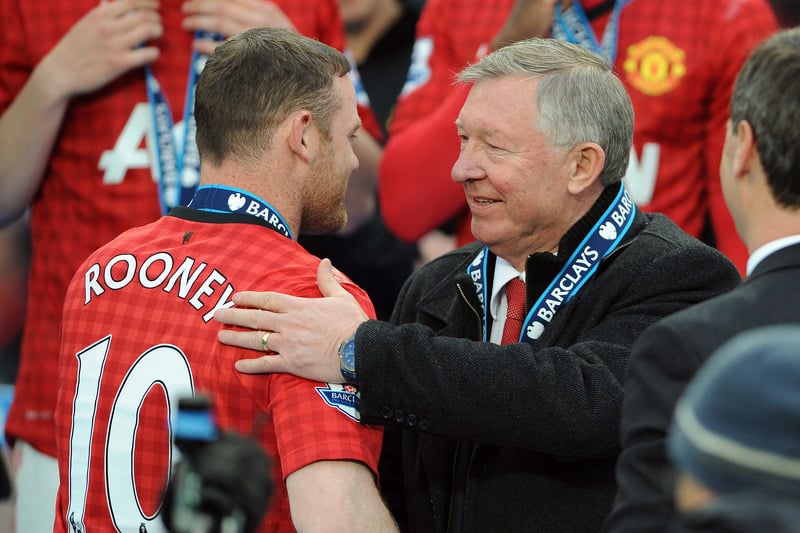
160, 271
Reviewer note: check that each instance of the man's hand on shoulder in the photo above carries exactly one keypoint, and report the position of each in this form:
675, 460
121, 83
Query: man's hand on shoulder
304, 333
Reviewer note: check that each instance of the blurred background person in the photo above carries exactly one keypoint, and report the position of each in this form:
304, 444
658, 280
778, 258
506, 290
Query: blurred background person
78, 145
14, 258
380, 37
735, 438
14, 253
787, 11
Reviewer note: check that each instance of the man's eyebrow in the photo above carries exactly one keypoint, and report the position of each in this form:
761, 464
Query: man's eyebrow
481, 132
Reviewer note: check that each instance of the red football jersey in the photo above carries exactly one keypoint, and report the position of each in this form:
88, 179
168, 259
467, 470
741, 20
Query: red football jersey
137, 334
678, 61
99, 181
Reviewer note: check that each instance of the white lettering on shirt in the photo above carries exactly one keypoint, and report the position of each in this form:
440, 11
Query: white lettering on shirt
205, 292
640, 178
128, 152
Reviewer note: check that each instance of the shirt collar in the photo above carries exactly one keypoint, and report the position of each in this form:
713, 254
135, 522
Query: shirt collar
768, 249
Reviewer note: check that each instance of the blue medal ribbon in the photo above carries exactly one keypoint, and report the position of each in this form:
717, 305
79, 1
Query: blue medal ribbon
477, 272
599, 242
223, 199
573, 26
179, 169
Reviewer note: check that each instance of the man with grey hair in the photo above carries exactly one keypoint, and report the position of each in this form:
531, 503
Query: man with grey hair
500, 377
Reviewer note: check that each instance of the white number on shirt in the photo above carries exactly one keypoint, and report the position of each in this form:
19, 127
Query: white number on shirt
163, 366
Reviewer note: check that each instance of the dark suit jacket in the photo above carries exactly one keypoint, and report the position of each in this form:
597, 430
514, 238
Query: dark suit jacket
540, 423
664, 360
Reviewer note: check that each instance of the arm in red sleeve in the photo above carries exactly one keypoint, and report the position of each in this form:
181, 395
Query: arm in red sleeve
416, 192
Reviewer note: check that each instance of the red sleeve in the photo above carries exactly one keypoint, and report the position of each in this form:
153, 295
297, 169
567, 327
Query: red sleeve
308, 428
427, 79
747, 25
415, 190
317, 421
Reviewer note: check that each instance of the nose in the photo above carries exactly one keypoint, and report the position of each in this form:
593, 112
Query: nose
467, 167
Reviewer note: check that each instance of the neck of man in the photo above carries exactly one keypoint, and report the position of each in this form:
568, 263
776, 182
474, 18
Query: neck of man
780, 222
543, 242
272, 187
577, 218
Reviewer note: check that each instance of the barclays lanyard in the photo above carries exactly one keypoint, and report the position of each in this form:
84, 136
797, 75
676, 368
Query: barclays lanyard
223, 199
573, 26
603, 238
179, 168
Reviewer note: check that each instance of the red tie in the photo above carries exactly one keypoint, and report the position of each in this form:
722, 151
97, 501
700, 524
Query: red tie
515, 294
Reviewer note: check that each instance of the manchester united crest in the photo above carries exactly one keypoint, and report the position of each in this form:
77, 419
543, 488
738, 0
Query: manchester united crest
655, 65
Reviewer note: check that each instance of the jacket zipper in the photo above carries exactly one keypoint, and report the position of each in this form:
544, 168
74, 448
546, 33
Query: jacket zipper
475, 312
461, 444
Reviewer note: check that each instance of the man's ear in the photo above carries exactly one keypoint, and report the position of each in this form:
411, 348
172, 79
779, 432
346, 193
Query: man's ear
746, 151
586, 162
302, 135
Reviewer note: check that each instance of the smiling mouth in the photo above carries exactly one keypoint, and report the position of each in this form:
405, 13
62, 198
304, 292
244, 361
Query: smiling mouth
483, 201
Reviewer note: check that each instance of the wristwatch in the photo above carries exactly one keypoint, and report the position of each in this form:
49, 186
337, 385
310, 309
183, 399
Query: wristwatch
347, 359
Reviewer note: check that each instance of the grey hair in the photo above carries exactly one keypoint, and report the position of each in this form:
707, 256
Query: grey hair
579, 98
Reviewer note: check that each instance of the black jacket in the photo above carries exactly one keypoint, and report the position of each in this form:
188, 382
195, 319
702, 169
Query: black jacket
538, 425
663, 362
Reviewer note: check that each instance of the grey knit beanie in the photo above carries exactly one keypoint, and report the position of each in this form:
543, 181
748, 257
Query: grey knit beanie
737, 425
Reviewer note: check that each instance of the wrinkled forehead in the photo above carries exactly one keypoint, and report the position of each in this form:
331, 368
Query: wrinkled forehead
500, 103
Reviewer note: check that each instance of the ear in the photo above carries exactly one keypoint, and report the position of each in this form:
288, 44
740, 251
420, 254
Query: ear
586, 162
746, 151
302, 135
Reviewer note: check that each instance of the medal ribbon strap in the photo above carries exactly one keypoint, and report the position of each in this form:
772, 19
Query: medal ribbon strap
573, 26
477, 272
603, 238
179, 169
223, 199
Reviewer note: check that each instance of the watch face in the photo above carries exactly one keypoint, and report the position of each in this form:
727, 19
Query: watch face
349, 354
347, 359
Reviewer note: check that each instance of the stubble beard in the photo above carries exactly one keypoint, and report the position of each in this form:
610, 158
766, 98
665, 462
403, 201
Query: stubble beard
324, 209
